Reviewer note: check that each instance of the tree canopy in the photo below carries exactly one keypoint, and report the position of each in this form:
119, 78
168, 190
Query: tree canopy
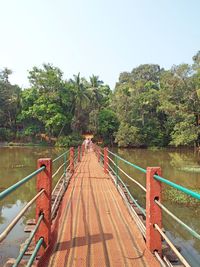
150, 106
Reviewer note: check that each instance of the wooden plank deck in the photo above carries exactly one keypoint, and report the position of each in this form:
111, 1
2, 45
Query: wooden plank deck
95, 228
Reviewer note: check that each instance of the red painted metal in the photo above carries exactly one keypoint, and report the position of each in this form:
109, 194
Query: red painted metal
43, 203
79, 153
153, 211
71, 159
105, 160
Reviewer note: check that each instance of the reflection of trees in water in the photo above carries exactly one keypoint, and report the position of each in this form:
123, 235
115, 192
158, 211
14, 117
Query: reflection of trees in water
15, 164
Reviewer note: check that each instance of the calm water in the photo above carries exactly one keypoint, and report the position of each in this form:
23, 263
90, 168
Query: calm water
179, 166
16, 163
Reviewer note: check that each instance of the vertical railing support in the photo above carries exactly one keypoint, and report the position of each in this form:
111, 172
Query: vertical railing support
43, 203
71, 159
153, 211
105, 160
79, 153
83, 150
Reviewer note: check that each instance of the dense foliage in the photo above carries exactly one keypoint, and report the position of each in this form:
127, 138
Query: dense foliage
149, 106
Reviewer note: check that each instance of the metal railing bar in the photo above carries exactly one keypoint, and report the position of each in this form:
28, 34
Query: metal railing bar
177, 186
59, 180
132, 198
18, 184
133, 180
53, 209
181, 258
159, 259
193, 232
28, 242
134, 214
129, 163
161, 179
60, 156
37, 247
59, 168
168, 263
4, 234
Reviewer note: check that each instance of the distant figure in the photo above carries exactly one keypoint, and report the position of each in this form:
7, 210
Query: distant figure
86, 144
90, 144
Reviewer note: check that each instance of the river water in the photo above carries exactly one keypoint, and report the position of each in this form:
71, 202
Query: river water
180, 166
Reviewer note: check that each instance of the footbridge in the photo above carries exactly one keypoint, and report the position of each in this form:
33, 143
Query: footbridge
88, 217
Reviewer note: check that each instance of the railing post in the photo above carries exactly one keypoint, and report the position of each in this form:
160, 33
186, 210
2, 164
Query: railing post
79, 154
105, 160
43, 203
83, 150
153, 211
71, 159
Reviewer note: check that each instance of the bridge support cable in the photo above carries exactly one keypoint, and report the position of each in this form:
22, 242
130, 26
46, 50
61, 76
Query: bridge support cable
19, 216
181, 258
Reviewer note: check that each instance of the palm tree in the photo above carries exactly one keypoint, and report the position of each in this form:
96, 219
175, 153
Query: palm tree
95, 92
81, 100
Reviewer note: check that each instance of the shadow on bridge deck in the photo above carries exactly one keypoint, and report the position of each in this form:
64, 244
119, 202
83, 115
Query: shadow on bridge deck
95, 228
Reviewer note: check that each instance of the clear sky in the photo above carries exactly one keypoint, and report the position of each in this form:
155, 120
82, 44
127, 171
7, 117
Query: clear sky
101, 37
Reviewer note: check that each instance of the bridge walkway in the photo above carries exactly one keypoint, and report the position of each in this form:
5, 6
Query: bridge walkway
95, 227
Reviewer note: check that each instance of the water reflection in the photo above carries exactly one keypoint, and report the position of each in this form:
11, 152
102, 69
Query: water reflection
177, 166
16, 163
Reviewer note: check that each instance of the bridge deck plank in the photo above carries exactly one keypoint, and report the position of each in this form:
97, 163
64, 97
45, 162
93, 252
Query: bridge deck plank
95, 228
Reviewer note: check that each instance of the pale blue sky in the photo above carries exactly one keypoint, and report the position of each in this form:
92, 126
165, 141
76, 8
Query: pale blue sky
101, 37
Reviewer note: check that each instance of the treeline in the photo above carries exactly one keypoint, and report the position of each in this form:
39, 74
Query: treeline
150, 106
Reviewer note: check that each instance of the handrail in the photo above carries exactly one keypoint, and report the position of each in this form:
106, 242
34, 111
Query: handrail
193, 232
133, 180
20, 256
181, 258
129, 163
59, 168
179, 187
130, 195
13, 187
161, 179
60, 156
37, 247
18, 217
